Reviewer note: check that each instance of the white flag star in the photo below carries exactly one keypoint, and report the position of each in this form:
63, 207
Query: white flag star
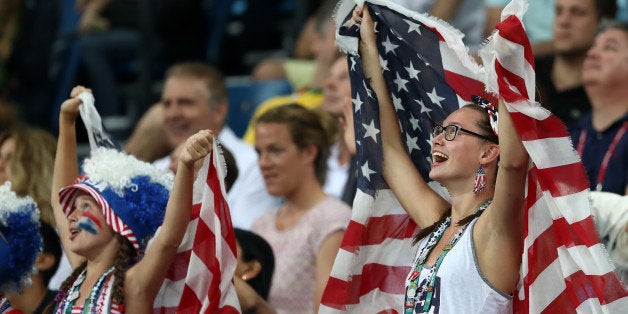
413, 27
411, 143
367, 89
357, 103
353, 63
424, 109
389, 46
371, 130
415, 123
412, 72
366, 171
384, 63
401, 83
397, 102
435, 98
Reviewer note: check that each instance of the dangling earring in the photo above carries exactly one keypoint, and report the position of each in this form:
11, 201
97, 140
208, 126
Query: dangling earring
480, 180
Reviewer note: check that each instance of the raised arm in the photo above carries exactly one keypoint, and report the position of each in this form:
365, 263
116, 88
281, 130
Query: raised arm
66, 168
445, 9
145, 278
420, 202
499, 230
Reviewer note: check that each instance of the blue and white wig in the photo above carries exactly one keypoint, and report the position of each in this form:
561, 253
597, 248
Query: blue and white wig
20, 240
132, 194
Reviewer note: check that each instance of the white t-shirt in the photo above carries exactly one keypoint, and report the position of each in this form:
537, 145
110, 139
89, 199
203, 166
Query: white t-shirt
610, 214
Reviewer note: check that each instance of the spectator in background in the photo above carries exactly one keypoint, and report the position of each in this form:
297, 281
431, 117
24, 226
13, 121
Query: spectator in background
307, 73
20, 242
336, 91
256, 264
36, 297
610, 214
559, 76
26, 160
600, 137
305, 232
105, 41
28, 29
468, 16
8, 116
538, 21
194, 98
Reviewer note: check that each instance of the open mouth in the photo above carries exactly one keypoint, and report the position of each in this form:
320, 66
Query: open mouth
438, 157
74, 232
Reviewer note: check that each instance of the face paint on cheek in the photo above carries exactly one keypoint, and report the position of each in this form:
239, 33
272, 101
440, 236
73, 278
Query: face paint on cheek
89, 223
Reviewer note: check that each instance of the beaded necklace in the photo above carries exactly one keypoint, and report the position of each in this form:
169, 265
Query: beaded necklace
95, 293
413, 291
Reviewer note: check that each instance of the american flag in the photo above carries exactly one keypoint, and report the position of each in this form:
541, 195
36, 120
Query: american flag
429, 74
565, 268
200, 279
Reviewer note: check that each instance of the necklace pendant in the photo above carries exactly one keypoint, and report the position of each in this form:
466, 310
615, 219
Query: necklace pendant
410, 293
73, 295
414, 274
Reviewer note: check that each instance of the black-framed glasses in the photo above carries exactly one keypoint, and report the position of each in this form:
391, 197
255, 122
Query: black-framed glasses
452, 130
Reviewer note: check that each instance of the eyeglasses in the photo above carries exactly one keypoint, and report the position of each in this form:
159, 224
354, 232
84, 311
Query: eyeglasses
452, 130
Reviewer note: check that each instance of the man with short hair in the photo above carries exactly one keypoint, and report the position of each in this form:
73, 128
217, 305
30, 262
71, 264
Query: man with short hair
601, 137
194, 98
559, 77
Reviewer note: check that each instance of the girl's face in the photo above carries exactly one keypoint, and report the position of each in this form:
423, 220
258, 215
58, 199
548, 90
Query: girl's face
282, 164
89, 231
6, 156
459, 158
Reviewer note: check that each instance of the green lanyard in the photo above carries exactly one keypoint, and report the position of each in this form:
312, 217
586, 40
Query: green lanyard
413, 291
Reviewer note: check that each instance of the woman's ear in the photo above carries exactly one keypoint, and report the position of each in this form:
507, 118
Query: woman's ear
310, 153
490, 154
253, 268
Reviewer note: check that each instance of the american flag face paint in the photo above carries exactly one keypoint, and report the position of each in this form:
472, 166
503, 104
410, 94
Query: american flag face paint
89, 223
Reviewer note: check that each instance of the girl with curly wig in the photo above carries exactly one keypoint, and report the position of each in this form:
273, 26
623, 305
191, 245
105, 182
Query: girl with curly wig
106, 217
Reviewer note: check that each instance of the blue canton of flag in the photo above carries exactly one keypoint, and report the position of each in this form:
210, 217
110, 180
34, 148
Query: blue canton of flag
420, 87
428, 74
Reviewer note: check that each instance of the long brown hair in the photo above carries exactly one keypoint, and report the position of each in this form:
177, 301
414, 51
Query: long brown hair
31, 166
126, 257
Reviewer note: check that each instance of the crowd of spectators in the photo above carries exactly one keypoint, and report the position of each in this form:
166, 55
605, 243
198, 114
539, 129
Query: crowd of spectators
165, 68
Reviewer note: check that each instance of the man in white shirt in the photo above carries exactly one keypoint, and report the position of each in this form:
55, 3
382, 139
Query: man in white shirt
194, 97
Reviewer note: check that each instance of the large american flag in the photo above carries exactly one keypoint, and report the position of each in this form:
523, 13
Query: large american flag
429, 74
200, 279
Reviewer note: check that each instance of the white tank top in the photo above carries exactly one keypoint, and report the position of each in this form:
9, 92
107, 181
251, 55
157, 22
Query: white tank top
460, 287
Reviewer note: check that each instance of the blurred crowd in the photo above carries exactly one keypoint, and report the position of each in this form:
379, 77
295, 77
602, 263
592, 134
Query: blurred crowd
161, 70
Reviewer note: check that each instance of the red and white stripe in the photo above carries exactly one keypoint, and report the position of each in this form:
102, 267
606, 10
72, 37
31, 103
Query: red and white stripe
67, 196
565, 268
200, 279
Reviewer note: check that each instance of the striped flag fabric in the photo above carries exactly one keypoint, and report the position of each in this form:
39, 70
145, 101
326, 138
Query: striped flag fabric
200, 279
565, 268
430, 74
